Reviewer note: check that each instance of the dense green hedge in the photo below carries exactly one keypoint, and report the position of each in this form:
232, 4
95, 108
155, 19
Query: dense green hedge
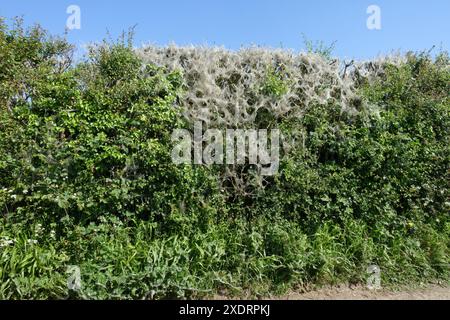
86, 179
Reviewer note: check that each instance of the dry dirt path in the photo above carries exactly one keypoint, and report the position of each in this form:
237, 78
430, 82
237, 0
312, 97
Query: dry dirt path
431, 292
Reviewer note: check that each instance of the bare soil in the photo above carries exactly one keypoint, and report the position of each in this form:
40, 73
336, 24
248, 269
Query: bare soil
431, 292
345, 292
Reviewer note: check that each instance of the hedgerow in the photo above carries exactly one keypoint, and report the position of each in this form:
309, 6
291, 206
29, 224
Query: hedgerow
87, 179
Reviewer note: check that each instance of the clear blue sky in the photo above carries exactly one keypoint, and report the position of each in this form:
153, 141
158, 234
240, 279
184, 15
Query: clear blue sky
406, 24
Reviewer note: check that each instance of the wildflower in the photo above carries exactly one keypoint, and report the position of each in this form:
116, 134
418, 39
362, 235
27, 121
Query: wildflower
32, 241
38, 230
5, 242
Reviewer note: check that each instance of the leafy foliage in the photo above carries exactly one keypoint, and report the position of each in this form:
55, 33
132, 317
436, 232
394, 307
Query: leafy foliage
86, 176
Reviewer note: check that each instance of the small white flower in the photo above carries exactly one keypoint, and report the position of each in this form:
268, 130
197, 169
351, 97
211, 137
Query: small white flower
38, 229
5, 242
32, 241
52, 234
